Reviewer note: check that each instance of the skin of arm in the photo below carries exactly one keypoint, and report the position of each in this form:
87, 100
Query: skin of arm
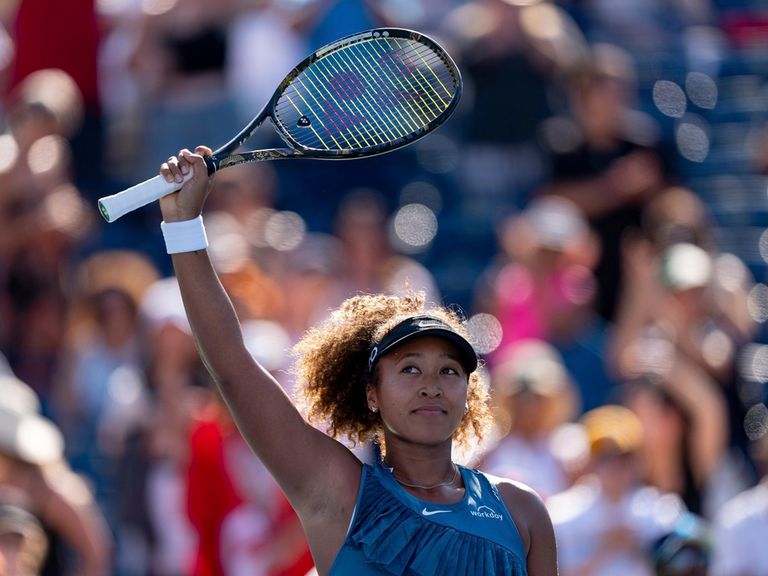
66, 506
83, 530
319, 476
699, 394
686, 381
641, 297
535, 527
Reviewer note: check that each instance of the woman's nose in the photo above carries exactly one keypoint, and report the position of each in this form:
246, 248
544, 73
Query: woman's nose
431, 390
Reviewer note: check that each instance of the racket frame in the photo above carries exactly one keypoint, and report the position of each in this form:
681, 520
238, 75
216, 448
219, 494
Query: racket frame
116, 205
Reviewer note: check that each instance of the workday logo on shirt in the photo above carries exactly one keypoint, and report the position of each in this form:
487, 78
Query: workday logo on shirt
486, 512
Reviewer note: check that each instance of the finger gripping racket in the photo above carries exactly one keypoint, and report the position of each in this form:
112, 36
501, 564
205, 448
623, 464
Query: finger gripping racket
365, 94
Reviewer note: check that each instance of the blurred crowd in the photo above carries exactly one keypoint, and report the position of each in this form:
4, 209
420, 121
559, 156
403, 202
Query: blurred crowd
569, 209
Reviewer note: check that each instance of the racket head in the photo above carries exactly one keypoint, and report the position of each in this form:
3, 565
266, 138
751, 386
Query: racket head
366, 94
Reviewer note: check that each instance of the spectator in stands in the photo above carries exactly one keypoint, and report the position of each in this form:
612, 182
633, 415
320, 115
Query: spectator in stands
65, 38
534, 396
543, 287
244, 524
100, 395
684, 319
508, 52
370, 262
34, 475
179, 60
607, 159
44, 220
741, 527
23, 543
607, 523
686, 550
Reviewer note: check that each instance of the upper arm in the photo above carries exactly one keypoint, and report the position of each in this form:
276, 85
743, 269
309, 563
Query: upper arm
308, 465
535, 527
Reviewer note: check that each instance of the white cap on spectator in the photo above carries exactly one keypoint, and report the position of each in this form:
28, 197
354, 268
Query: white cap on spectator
162, 304
685, 266
555, 221
24, 433
17, 395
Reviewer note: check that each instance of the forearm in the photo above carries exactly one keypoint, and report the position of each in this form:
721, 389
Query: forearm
703, 401
632, 317
83, 529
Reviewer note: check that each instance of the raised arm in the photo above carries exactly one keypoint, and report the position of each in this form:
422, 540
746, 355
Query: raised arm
315, 472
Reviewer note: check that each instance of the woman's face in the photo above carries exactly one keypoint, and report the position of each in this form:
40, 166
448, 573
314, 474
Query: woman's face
421, 391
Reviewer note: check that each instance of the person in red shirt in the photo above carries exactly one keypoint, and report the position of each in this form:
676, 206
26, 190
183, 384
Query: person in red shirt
245, 524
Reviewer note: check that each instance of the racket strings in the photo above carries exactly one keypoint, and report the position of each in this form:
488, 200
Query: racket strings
367, 94
348, 110
413, 114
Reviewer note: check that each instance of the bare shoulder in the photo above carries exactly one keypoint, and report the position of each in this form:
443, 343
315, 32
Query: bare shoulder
518, 495
525, 506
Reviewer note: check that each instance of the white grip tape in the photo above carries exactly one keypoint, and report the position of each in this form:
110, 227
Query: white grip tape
184, 236
116, 205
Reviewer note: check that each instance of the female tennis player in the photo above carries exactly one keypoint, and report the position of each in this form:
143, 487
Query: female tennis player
381, 368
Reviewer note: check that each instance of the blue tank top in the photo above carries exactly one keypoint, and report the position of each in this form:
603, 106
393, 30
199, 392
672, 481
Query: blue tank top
395, 533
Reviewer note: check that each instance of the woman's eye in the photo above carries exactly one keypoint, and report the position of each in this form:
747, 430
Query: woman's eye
410, 370
451, 371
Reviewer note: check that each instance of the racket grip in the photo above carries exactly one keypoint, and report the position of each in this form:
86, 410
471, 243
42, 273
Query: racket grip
117, 205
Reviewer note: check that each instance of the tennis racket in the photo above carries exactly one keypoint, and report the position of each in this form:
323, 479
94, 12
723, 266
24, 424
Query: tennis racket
366, 94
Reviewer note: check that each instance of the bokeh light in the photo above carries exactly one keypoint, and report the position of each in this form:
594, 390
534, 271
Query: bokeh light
414, 227
756, 422
472, 21
757, 303
284, 231
702, 90
113, 7
542, 20
63, 209
485, 332
717, 348
256, 225
669, 98
753, 363
692, 140
125, 386
409, 276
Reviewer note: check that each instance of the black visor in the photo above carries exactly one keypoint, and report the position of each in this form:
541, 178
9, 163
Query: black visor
418, 326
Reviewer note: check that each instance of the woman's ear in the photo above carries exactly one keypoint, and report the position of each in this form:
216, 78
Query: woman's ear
372, 398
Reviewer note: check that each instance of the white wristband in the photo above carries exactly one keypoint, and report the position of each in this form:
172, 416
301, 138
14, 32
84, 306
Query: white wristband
185, 236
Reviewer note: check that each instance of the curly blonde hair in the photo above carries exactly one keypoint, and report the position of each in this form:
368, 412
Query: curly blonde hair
332, 368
